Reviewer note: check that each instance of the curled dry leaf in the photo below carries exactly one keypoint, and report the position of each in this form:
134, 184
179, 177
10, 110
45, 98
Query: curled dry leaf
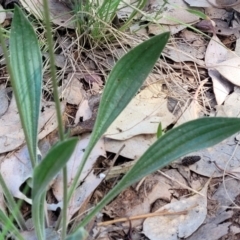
84, 112
177, 226
230, 69
217, 53
221, 86
15, 170
231, 106
72, 90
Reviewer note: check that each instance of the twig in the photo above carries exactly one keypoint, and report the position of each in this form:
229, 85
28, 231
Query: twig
162, 213
181, 184
115, 158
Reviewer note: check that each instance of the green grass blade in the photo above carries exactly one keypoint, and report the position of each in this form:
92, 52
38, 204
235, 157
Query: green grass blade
26, 65
140, 6
189, 137
108, 10
12, 205
8, 226
122, 84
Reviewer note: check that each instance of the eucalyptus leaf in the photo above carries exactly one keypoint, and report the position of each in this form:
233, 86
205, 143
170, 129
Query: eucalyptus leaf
186, 138
122, 84
26, 67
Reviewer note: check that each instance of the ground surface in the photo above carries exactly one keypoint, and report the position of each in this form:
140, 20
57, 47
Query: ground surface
198, 197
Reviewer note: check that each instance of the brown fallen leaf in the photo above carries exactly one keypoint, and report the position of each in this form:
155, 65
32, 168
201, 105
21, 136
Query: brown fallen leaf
178, 226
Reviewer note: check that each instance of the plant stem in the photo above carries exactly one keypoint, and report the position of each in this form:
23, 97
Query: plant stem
58, 110
64, 209
53, 70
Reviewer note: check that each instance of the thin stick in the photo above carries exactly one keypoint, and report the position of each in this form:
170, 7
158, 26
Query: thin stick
181, 184
115, 158
162, 213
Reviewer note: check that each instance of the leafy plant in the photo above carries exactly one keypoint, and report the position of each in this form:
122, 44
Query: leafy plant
95, 18
122, 84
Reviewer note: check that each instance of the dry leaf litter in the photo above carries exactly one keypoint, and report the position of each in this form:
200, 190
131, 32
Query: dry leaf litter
197, 75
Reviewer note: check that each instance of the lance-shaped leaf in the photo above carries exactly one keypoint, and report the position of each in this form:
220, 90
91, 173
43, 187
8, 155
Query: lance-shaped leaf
43, 174
187, 138
50, 166
122, 84
26, 66
125, 80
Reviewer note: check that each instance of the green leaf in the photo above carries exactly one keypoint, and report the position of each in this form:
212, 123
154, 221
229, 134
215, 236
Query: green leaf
26, 66
55, 160
159, 130
189, 137
12, 205
38, 212
8, 226
122, 84
80, 234
125, 80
